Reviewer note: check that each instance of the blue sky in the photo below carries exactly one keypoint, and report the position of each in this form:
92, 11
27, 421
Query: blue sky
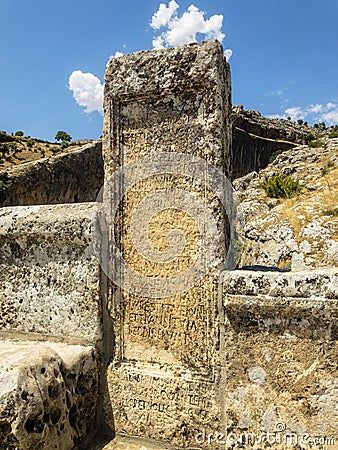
284, 55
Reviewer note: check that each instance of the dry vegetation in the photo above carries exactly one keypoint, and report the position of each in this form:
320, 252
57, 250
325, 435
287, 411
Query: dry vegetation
307, 223
21, 149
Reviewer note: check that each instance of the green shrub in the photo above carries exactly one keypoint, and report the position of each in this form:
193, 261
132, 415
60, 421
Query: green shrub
54, 149
19, 133
3, 185
280, 186
310, 137
30, 143
333, 134
315, 143
274, 155
325, 169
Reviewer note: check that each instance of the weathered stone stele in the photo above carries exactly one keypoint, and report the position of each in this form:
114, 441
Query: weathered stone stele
163, 381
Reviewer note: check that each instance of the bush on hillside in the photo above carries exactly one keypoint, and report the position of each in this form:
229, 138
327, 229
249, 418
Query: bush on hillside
280, 186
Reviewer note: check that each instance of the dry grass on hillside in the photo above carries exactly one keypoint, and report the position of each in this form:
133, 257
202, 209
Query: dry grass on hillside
16, 150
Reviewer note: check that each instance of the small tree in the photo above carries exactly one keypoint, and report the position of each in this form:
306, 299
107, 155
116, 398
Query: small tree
63, 136
19, 133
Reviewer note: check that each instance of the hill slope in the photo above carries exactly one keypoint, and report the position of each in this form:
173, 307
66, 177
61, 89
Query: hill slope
299, 232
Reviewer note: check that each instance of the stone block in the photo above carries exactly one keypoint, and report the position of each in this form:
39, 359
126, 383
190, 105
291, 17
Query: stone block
280, 354
48, 395
160, 105
49, 278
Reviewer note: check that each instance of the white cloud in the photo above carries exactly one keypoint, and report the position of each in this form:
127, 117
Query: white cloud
277, 116
87, 90
315, 113
162, 17
315, 108
158, 42
117, 54
228, 53
330, 118
184, 29
295, 113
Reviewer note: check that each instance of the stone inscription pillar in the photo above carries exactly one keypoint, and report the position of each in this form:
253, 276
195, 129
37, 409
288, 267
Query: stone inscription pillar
167, 121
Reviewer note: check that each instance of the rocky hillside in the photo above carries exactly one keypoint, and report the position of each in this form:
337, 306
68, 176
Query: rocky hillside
16, 150
256, 139
300, 232
73, 176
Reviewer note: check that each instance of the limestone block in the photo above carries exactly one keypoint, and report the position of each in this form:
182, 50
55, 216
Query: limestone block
163, 382
48, 395
175, 100
49, 278
280, 347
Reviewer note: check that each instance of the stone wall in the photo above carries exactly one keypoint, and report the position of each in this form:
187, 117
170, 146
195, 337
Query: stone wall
51, 326
71, 177
49, 276
280, 334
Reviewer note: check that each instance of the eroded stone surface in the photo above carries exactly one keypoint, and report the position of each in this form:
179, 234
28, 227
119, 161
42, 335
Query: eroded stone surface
280, 357
48, 395
49, 277
163, 381
129, 443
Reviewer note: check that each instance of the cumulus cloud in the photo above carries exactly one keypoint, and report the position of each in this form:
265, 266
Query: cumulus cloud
295, 113
117, 54
184, 29
162, 17
228, 53
331, 117
318, 112
315, 108
87, 90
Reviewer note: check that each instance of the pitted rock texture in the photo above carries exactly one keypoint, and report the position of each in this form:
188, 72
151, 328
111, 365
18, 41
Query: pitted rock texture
281, 350
48, 395
176, 99
49, 277
72, 177
301, 232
